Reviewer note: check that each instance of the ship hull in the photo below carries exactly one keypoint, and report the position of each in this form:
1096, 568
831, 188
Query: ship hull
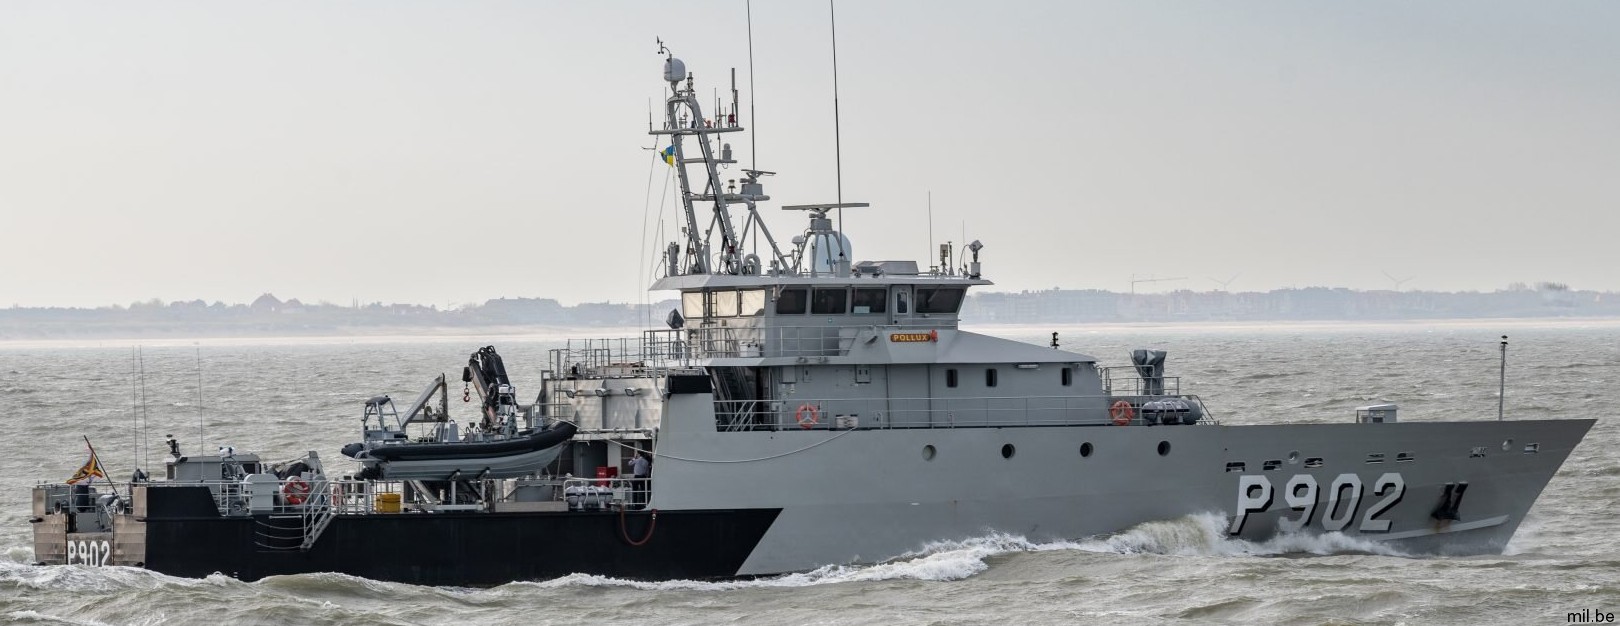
882, 494
804, 499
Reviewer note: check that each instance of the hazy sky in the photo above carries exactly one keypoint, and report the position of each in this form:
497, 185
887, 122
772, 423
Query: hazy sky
448, 152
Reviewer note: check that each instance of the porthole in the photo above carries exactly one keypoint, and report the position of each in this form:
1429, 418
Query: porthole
1085, 449
1507, 444
928, 452
1007, 450
1293, 457
1164, 448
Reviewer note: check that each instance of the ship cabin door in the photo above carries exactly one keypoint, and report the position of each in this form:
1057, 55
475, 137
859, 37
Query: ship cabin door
909, 395
900, 303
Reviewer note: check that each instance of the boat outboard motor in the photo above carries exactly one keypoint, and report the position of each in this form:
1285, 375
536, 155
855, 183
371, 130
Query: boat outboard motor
80, 498
1150, 366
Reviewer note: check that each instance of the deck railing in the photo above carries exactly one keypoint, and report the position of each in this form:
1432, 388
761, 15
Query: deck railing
939, 412
659, 350
1123, 380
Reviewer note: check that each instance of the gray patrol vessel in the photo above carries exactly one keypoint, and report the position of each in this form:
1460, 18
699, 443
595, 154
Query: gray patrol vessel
803, 408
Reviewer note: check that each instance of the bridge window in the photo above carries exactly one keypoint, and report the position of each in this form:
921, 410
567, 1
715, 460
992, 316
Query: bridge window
900, 301
1068, 376
752, 301
990, 377
939, 300
830, 302
950, 378
723, 303
792, 301
692, 305
871, 300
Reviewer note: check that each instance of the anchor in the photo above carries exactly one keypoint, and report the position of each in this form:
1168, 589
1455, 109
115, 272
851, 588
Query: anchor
1450, 500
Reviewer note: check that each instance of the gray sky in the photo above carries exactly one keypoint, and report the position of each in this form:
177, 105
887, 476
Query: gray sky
447, 152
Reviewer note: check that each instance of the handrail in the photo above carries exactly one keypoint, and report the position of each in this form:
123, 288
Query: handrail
656, 351
317, 515
925, 412
1133, 384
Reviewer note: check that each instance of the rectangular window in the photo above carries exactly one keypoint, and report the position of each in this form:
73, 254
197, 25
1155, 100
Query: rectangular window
792, 301
939, 300
950, 378
871, 300
723, 303
830, 302
1068, 376
990, 377
753, 302
692, 304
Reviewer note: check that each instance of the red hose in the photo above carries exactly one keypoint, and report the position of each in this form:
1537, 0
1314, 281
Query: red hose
644, 538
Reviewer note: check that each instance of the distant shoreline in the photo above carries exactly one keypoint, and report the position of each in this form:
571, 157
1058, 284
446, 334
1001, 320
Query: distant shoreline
1066, 331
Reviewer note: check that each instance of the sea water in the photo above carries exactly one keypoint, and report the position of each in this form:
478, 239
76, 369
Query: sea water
283, 397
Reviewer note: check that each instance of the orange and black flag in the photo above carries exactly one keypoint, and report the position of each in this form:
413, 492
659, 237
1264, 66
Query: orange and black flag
91, 469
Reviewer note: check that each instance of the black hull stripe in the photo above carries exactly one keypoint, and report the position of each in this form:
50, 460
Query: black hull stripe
466, 549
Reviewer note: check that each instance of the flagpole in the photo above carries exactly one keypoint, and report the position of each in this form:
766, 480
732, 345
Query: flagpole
95, 466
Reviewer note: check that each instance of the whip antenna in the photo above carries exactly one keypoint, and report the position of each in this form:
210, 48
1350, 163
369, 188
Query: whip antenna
200, 439
838, 149
1501, 388
753, 122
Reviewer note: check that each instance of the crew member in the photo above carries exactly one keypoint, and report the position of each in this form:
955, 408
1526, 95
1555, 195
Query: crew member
640, 470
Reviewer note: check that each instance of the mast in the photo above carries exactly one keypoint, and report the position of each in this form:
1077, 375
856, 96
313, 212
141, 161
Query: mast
683, 117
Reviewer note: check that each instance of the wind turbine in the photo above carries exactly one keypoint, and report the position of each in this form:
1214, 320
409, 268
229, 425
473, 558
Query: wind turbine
1398, 281
1224, 283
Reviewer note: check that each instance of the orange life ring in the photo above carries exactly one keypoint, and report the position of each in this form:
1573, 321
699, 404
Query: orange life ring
1122, 412
807, 416
296, 490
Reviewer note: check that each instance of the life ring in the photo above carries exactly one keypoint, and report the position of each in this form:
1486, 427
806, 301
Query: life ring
807, 416
1122, 412
296, 490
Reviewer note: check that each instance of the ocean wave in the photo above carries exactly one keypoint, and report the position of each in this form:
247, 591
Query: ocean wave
1267, 376
1204, 534
35, 617
1193, 535
84, 578
942, 561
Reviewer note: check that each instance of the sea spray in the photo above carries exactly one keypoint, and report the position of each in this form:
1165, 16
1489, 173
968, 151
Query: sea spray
1205, 534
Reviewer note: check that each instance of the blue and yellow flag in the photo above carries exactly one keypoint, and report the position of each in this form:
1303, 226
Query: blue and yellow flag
91, 469
669, 155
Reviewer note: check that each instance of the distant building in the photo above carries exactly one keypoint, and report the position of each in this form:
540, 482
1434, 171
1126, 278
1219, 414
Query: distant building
266, 304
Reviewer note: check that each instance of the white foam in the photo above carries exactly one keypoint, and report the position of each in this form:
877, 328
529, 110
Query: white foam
1194, 535
19, 554
98, 579
942, 561
1205, 534
36, 616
